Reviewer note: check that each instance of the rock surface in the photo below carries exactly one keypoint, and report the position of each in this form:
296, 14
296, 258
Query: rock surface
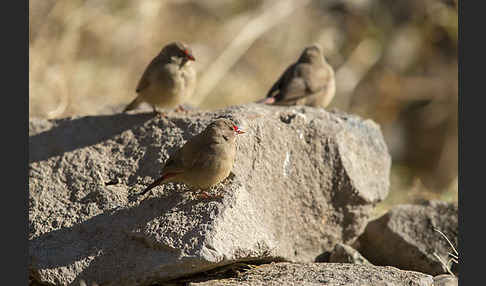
405, 237
329, 274
445, 280
304, 179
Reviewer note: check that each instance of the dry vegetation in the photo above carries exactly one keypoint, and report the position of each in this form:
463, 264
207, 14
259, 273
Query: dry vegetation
395, 62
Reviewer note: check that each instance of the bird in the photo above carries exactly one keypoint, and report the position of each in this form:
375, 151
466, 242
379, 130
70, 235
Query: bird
203, 161
169, 80
309, 81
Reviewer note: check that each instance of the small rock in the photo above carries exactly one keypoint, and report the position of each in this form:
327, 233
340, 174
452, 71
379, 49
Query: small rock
405, 237
329, 274
445, 280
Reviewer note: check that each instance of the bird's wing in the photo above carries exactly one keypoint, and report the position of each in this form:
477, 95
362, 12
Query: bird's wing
172, 167
175, 163
145, 79
307, 80
195, 151
280, 83
293, 85
186, 157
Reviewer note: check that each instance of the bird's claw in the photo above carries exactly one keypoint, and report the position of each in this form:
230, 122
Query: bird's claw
158, 113
204, 195
180, 108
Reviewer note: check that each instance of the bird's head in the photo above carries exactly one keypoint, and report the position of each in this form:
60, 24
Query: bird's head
311, 54
224, 128
178, 52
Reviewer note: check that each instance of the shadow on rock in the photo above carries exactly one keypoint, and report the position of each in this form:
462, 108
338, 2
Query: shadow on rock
106, 240
80, 132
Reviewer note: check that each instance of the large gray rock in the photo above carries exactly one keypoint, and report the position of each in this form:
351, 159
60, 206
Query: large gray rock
329, 274
405, 237
304, 179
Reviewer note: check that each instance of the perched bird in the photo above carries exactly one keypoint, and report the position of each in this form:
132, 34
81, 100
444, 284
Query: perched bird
169, 80
309, 81
205, 160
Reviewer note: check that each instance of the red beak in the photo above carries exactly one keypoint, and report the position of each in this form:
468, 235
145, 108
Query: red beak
189, 55
238, 130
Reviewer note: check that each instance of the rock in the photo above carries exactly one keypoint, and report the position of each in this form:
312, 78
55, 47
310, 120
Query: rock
343, 253
304, 179
445, 280
329, 274
405, 237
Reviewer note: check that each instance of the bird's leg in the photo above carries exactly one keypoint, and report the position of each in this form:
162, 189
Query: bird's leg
158, 113
180, 108
204, 195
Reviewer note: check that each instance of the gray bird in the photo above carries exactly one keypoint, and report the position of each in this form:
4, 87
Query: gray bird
309, 81
205, 160
169, 80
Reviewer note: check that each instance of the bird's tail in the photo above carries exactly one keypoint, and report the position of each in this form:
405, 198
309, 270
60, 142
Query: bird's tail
266, 100
132, 105
157, 182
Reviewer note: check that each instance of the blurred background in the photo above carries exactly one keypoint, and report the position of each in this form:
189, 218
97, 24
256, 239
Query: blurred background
395, 62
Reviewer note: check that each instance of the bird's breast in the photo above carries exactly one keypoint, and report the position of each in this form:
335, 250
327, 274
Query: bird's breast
215, 168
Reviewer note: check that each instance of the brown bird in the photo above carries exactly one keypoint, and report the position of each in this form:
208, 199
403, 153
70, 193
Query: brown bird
169, 80
205, 160
309, 81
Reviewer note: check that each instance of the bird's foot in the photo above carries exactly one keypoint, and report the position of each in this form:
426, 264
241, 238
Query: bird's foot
180, 108
160, 114
205, 195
